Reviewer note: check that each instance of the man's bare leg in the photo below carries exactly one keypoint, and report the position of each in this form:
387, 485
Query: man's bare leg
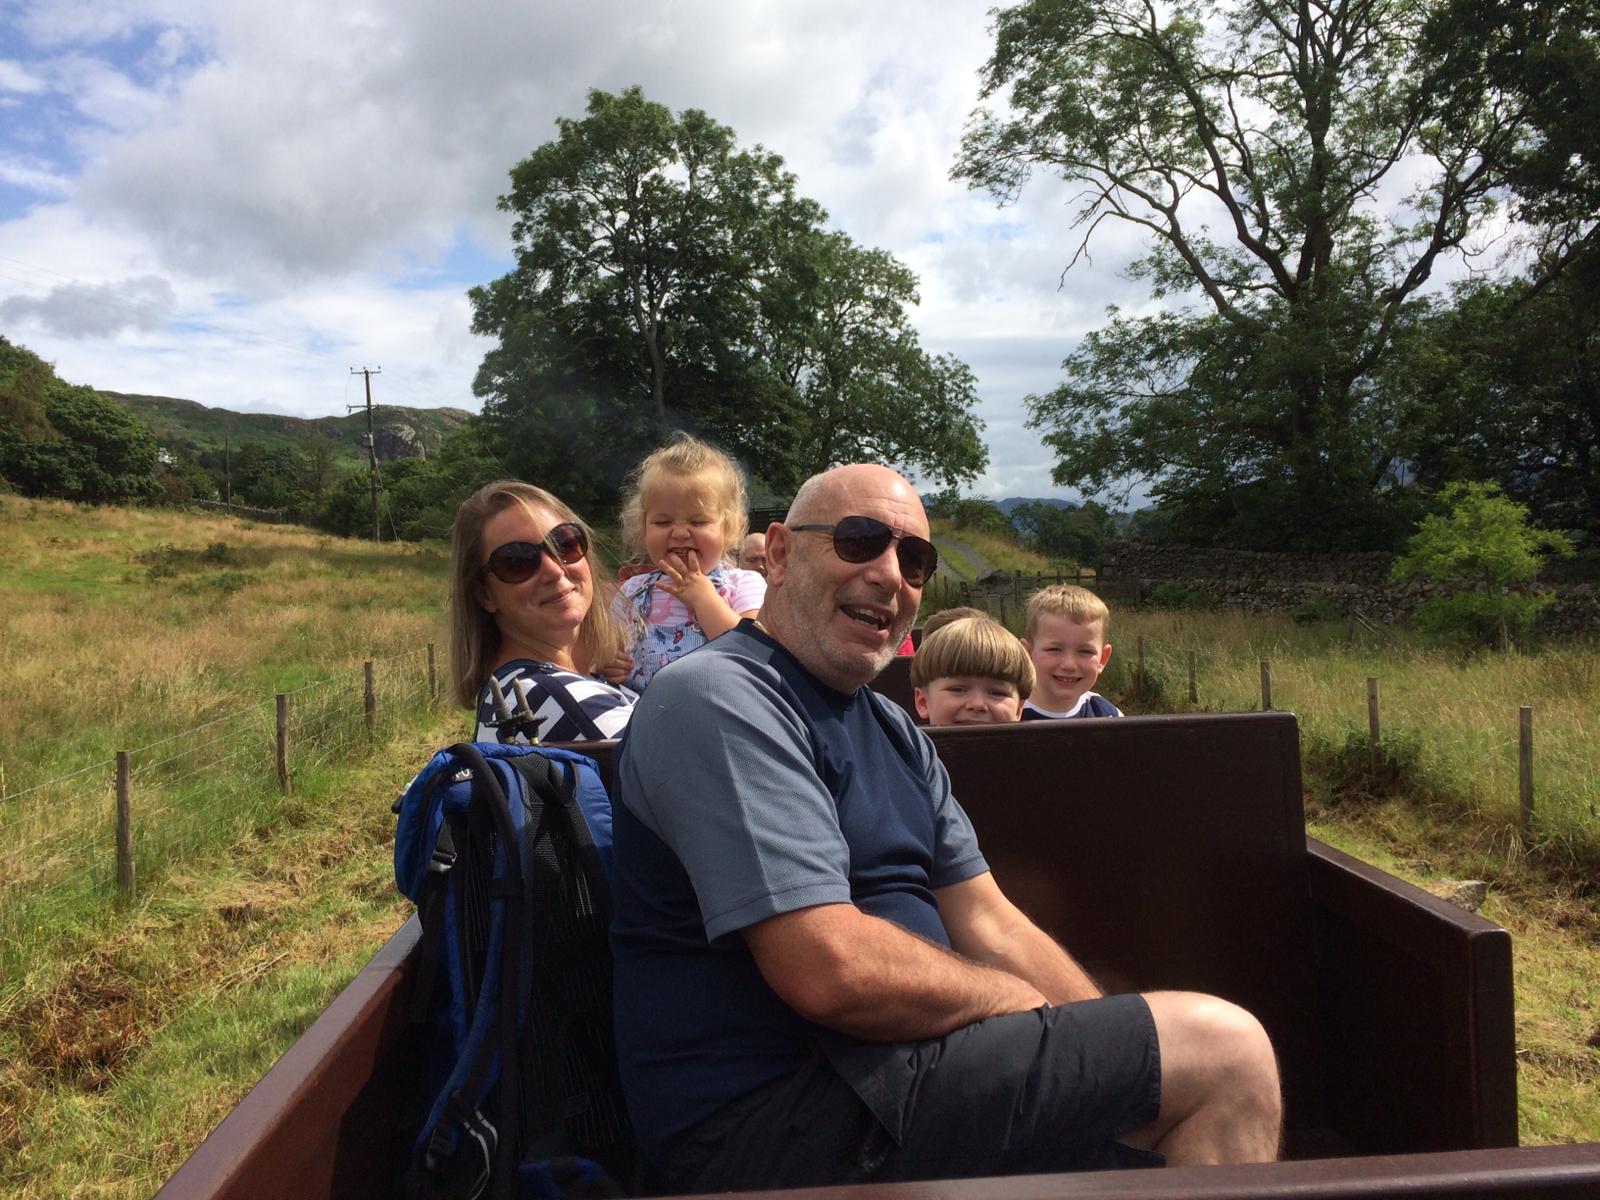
1221, 1101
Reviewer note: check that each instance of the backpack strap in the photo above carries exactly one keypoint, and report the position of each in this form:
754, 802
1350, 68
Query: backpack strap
491, 1031
568, 895
430, 910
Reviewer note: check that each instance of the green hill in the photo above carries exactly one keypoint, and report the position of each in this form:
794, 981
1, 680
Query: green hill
190, 427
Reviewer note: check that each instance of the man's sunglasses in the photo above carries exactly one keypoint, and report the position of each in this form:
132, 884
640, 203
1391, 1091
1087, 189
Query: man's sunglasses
515, 562
862, 539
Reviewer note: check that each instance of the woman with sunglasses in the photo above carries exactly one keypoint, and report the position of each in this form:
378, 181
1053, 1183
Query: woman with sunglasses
522, 610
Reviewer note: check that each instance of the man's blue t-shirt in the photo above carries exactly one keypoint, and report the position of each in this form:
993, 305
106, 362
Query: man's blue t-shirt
745, 788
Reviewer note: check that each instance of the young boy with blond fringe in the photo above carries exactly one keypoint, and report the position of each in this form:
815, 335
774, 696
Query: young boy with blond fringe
971, 671
1066, 639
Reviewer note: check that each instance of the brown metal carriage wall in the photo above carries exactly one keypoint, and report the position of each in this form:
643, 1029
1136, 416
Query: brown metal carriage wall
1165, 852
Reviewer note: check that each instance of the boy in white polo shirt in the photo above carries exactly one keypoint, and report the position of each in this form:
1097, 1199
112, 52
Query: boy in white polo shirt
1066, 639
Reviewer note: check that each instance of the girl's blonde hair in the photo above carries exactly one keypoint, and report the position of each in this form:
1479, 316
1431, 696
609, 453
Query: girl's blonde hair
474, 634
973, 646
712, 474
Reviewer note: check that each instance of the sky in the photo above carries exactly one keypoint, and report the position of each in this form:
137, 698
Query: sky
236, 203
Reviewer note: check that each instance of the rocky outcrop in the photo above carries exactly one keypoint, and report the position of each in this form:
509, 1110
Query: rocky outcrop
398, 441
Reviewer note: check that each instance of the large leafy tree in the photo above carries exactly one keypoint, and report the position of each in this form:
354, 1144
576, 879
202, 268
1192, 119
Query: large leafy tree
57, 439
667, 278
1505, 386
1296, 196
1538, 61
1078, 534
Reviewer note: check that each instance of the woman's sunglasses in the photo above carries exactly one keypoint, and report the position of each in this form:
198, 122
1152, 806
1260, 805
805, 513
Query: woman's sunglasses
862, 539
515, 562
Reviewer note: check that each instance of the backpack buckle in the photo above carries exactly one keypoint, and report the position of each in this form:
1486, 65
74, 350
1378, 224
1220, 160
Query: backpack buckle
444, 851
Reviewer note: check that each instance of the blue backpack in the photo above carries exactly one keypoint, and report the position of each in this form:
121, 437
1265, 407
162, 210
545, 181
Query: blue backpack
506, 851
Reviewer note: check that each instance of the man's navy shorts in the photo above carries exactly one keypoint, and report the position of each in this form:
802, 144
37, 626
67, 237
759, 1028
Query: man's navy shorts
1034, 1092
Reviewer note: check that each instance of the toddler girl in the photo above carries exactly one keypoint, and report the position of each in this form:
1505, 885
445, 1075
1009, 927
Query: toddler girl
683, 510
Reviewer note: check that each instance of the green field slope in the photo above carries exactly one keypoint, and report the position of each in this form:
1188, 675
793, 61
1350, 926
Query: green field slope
189, 426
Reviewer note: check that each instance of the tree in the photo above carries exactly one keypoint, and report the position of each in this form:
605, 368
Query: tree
1540, 62
24, 386
1076, 534
319, 470
1485, 553
666, 278
1253, 146
60, 440
1505, 386
267, 476
971, 512
1511, 371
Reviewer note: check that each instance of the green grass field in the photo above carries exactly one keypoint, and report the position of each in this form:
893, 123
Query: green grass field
127, 1030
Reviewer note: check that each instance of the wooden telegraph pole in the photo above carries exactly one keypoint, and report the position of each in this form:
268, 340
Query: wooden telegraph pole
372, 445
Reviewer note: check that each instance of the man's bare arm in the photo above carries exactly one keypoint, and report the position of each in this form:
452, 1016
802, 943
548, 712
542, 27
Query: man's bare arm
987, 928
869, 978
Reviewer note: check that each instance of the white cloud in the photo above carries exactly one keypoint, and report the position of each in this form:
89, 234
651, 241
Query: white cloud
14, 77
33, 175
306, 180
80, 310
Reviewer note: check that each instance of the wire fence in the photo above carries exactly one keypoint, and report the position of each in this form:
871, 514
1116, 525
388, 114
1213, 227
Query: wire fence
98, 835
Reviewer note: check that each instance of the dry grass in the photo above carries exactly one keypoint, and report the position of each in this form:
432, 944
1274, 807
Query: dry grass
1457, 716
118, 1054
167, 634
120, 626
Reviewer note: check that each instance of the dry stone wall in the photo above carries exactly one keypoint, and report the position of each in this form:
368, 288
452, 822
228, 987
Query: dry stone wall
1350, 584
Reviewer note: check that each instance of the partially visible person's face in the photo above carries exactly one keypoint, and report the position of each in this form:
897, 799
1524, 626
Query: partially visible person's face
538, 618
844, 621
969, 700
753, 554
1068, 657
678, 520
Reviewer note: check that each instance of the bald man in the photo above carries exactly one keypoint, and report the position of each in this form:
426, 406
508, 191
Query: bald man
817, 979
753, 553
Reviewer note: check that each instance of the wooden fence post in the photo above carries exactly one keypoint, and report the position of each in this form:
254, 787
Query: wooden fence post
1002, 608
1266, 686
1194, 691
1140, 675
1525, 766
124, 827
371, 702
1374, 733
433, 677
1058, 574
1016, 587
283, 741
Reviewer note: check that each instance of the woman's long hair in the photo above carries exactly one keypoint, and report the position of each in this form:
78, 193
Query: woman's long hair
474, 634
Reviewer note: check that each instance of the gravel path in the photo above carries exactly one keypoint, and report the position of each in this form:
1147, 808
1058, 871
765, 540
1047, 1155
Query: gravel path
971, 561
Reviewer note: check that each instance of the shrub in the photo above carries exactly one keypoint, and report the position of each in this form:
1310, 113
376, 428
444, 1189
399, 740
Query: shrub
1315, 609
1485, 553
1342, 762
1171, 594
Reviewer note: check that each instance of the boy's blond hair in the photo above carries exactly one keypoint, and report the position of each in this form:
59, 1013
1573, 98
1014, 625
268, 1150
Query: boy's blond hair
712, 474
945, 616
973, 646
1078, 605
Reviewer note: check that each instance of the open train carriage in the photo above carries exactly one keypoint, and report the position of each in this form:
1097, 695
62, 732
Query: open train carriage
1166, 852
